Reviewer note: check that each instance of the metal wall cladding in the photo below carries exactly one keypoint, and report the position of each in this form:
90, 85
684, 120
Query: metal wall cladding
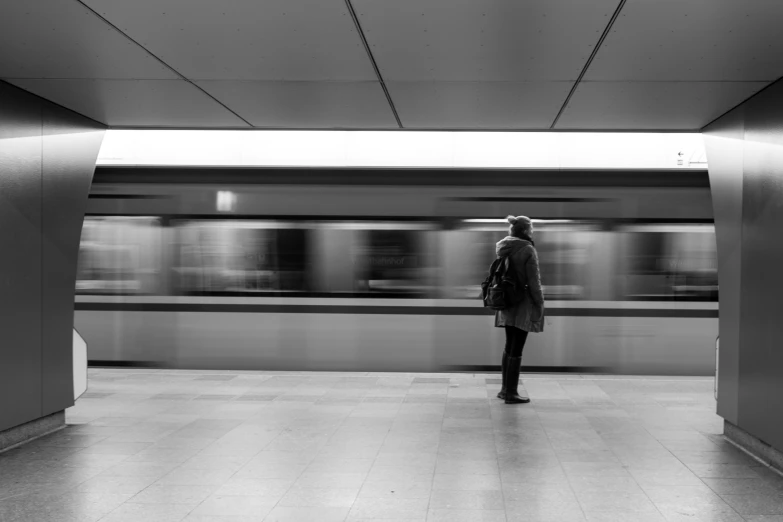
724, 145
758, 126
761, 360
47, 158
20, 262
70, 149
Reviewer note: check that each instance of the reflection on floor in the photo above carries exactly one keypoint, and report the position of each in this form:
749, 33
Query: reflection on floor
147, 445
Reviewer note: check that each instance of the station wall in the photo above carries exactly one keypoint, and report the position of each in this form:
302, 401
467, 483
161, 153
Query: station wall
47, 159
745, 155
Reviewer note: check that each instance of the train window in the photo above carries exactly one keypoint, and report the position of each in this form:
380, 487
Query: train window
240, 257
119, 255
563, 250
670, 262
395, 259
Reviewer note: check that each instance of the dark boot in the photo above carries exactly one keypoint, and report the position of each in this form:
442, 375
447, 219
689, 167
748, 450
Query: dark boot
503, 365
512, 381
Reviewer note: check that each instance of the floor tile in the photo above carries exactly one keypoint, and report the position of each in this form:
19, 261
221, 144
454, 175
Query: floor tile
532, 492
755, 504
149, 513
739, 486
665, 477
319, 497
239, 446
700, 513
466, 482
307, 514
130, 485
544, 511
624, 516
196, 477
617, 501
273, 488
401, 488
157, 494
378, 508
235, 505
467, 500
723, 471
691, 493
465, 515
317, 479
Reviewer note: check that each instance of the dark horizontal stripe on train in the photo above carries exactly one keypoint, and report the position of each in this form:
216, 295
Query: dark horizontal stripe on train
379, 310
127, 196
385, 295
446, 369
489, 368
125, 364
439, 222
290, 294
403, 176
509, 199
391, 295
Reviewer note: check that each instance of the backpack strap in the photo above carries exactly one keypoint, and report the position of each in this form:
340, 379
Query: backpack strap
510, 271
493, 269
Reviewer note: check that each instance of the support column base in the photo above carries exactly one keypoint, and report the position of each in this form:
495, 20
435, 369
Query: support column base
753, 446
31, 430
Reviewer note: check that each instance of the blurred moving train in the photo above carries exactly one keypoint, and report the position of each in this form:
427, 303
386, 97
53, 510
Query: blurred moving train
379, 269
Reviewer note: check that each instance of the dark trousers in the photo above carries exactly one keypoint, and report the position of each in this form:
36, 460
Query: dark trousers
515, 341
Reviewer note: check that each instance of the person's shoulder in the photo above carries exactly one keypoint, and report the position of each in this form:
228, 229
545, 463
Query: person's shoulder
528, 250
524, 253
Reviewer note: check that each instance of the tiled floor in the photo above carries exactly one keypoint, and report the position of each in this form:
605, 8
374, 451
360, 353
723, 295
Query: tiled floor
153, 446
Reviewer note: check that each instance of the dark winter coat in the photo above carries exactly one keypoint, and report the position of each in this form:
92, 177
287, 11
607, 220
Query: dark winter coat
528, 315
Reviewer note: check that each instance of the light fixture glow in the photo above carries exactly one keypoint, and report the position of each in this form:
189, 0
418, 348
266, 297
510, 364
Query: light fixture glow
408, 149
226, 201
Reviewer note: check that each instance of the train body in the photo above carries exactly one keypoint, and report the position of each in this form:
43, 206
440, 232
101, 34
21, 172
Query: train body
379, 270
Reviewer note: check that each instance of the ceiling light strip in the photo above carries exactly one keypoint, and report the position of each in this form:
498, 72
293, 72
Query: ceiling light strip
172, 69
372, 61
589, 61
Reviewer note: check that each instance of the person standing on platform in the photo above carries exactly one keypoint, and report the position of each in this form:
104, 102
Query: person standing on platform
527, 315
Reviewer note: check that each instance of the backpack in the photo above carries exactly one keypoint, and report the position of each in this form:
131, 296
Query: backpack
501, 290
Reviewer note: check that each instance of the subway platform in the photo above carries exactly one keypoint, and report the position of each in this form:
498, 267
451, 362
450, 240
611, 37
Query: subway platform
209, 446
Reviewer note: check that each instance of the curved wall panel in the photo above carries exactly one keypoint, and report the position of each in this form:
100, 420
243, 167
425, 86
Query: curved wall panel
724, 146
745, 153
47, 159
70, 149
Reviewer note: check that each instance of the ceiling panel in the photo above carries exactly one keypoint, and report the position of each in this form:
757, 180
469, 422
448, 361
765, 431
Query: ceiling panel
148, 103
246, 39
63, 39
693, 40
448, 64
306, 104
652, 105
488, 105
491, 40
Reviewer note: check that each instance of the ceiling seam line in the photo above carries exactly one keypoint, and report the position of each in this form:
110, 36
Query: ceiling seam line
363, 38
172, 69
589, 62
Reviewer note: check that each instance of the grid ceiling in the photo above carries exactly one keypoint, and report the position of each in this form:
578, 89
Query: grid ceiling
672, 65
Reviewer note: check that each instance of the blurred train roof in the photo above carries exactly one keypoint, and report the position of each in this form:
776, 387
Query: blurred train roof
408, 64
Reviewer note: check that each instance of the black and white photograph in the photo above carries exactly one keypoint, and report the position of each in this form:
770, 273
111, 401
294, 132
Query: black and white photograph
391, 260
